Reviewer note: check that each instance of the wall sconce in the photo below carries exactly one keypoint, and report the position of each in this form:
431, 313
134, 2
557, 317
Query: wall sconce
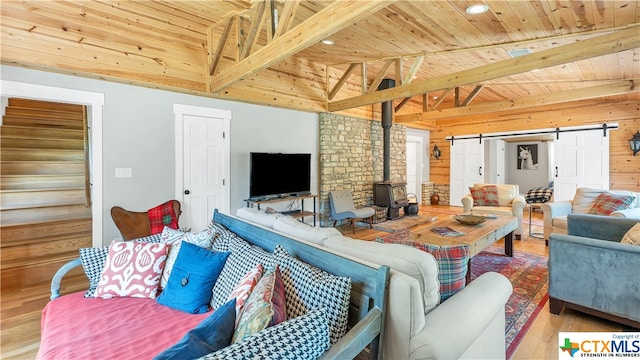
635, 143
436, 152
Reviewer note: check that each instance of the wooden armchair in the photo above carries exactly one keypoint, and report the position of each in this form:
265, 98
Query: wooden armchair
134, 224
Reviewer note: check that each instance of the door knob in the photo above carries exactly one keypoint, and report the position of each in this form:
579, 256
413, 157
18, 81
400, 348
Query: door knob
187, 192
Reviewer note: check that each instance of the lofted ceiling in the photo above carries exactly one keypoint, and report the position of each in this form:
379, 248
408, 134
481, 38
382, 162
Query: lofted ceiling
443, 59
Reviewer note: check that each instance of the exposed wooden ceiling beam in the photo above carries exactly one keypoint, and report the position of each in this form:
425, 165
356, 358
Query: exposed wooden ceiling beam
614, 88
256, 25
617, 41
381, 75
441, 98
333, 18
473, 95
215, 59
341, 81
417, 62
401, 104
287, 16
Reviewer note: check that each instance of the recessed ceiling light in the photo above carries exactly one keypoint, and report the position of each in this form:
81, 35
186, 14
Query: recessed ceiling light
477, 9
328, 42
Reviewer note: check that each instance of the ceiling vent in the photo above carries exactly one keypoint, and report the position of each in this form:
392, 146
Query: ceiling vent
518, 52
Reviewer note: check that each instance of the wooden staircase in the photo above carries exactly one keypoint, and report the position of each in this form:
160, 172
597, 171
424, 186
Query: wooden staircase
45, 205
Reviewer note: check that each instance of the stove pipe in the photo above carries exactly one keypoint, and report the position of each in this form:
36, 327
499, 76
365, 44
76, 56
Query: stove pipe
387, 121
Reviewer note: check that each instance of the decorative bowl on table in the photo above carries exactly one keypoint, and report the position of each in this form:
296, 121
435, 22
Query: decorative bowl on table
469, 219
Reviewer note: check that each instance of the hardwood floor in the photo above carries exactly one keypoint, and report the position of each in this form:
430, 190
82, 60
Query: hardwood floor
541, 340
21, 308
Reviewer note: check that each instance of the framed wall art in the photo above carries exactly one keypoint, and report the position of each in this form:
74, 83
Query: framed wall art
527, 157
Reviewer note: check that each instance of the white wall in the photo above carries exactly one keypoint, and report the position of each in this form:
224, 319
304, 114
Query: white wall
526, 179
138, 133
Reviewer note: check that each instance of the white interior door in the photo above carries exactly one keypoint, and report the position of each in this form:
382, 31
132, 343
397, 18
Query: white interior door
494, 161
202, 164
581, 160
467, 168
414, 167
500, 161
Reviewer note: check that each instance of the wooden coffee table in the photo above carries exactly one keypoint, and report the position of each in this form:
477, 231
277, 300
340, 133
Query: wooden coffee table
477, 237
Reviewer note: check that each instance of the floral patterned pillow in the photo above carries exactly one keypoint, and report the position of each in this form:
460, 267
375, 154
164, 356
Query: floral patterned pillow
132, 269
265, 307
174, 238
244, 287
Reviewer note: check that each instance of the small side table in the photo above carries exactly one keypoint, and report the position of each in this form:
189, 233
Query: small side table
536, 235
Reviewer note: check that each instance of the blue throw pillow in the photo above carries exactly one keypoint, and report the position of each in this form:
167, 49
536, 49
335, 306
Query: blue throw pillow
192, 278
212, 334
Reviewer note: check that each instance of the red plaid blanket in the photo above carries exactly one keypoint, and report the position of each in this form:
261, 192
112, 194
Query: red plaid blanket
161, 216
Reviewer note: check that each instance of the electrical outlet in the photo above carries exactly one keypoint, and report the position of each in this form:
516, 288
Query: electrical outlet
124, 172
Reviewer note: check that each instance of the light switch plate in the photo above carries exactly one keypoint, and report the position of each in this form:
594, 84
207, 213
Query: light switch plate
124, 172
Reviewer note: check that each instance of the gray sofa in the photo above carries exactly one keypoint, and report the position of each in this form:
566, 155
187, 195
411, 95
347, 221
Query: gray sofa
468, 325
591, 271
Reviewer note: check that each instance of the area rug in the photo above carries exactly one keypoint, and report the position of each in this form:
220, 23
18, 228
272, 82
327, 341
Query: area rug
528, 275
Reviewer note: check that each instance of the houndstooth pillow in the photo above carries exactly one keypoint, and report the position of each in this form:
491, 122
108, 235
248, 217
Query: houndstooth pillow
93, 259
223, 237
307, 287
302, 338
244, 257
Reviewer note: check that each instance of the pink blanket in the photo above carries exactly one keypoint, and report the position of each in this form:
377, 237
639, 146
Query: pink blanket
74, 327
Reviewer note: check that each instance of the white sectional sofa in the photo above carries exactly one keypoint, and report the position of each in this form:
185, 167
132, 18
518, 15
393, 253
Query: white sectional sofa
468, 325
554, 214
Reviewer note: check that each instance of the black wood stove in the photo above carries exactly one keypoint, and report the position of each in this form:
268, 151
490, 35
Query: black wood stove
386, 193
392, 196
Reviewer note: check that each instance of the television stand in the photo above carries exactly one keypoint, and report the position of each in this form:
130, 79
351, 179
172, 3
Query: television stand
299, 213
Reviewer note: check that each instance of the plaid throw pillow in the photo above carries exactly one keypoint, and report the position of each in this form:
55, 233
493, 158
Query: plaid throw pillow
452, 264
485, 195
606, 203
161, 216
538, 195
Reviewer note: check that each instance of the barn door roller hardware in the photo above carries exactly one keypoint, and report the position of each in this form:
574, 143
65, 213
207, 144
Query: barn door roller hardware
556, 131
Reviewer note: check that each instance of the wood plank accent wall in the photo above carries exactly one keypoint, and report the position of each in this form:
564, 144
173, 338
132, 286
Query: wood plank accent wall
624, 167
45, 212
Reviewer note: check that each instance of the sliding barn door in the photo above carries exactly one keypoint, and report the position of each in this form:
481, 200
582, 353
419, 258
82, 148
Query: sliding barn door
467, 168
581, 160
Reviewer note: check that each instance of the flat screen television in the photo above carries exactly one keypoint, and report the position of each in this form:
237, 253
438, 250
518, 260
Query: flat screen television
275, 175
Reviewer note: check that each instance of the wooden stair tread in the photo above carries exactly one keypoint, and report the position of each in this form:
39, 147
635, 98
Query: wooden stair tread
30, 132
3, 191
43, 181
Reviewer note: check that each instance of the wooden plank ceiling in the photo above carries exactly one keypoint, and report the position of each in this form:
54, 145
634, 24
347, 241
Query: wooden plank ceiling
269, 52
